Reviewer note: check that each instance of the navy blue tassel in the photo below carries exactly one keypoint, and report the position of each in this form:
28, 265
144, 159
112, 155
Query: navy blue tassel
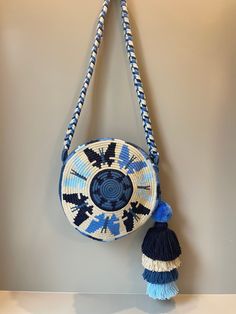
160, 277
161, 243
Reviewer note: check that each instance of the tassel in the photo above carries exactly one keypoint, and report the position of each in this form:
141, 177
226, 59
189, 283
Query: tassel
161, 243
160, 277
161, 251
162, 292
160, 266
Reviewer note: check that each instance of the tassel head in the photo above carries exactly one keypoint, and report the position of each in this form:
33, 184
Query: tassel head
161, 243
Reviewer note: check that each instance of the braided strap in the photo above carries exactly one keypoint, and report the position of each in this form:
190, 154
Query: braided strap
138, 83
92, 61
136, 80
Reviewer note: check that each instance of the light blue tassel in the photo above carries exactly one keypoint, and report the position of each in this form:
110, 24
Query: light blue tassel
162, 292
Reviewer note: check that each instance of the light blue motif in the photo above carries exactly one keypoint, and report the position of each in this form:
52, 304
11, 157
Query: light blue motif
80, 173
104, 222
128, 162
74, 184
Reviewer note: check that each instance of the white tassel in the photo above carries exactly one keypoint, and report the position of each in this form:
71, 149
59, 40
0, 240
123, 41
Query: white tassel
160, 266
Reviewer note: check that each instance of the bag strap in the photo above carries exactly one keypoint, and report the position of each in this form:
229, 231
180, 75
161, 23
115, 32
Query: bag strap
153, 152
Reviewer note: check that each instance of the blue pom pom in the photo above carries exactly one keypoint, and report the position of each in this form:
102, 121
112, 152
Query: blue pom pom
162, 292
162, 213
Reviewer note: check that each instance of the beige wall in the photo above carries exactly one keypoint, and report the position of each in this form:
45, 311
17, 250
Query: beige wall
187, 55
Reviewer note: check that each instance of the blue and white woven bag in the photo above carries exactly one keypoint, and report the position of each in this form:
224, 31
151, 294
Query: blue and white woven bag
109, 187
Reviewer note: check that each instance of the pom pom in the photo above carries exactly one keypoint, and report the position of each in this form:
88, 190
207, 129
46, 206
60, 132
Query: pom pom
161, 243
162, 292
160, 277
162, 213
160, 266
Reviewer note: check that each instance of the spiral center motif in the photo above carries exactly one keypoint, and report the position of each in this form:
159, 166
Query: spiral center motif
111, 190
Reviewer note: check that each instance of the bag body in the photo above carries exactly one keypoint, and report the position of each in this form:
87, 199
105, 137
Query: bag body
108, 188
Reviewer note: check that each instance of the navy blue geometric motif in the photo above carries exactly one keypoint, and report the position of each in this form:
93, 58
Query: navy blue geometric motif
101, 158
81, 207
128, 162
75, 173
111, 190
144, 187
133, 214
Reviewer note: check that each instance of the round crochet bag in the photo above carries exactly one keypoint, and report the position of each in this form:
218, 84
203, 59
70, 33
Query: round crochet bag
109, 187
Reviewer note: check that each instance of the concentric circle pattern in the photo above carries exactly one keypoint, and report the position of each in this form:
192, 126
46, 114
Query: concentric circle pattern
111, 189
108, 188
